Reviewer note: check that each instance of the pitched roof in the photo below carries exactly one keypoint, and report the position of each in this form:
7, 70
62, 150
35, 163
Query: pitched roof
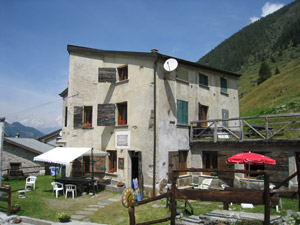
154, 55
29, 144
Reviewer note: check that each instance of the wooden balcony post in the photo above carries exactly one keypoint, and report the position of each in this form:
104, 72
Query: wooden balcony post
267, 199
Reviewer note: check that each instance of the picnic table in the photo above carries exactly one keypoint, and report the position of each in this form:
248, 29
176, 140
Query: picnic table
82, 183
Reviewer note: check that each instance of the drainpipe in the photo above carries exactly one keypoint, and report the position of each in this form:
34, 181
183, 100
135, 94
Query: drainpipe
2, 119
154, 130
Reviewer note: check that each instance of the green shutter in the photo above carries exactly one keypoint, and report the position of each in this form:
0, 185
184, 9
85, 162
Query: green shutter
183, 74
203, 79
78, 116
223, 85
182, 112
107, 75
106, 115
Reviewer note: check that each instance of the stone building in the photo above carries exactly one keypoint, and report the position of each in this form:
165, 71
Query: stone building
18, 156
128, 105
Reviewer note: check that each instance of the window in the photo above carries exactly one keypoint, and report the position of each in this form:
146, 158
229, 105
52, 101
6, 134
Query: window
183, 161
122, 113
15, 166
123, 73
88, 112
225, 115
202, 115
203, 80
112, 161
223, 85
182, 112
255, 168
210, 161
86, 164
182, 75
66, 116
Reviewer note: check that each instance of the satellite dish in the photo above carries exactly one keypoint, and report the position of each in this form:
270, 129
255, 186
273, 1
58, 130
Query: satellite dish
170, 64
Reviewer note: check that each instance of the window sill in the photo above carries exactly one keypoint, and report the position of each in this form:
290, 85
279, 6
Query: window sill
224, 93
183, 125
87, 128
111, 174
182, 81
122, 81
122, 126
204, 86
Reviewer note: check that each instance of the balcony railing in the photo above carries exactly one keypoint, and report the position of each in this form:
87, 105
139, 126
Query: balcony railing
266, 127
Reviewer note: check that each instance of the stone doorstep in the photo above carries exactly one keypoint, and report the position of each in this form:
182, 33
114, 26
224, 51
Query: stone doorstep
88, 213
77, 217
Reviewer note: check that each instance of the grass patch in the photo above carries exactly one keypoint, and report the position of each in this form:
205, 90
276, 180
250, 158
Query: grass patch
40, 203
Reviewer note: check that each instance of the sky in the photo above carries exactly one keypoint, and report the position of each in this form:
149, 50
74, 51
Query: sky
34, 35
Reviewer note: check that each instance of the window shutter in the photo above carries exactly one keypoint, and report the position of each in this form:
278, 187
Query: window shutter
173, 163
223, 85
203, 79
106, 115
99, 164
182, 112
225, 115
78, 112
107, 75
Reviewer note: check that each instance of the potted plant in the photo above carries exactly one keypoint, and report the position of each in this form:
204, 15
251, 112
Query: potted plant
16, 208
120, 184
63, 217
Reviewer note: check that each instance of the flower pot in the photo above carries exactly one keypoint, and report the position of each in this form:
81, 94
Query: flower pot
15, 209
120, 185
64, 220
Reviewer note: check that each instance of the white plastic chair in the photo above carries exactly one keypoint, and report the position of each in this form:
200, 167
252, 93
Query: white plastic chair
57, 187
30, 182
71, 188
205, 185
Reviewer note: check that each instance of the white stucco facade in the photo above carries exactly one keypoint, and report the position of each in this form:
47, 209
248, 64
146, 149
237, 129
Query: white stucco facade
137, 92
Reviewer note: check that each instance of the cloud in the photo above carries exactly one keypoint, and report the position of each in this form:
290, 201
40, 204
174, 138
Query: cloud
267, 9
254, 19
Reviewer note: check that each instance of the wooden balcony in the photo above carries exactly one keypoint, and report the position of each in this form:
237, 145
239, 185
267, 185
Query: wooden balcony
257, 128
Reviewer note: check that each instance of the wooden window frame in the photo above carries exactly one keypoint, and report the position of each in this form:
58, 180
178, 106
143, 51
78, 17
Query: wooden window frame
112, 161
88, 116
212, 154
203, 109
122, 114
123, 73
85, 167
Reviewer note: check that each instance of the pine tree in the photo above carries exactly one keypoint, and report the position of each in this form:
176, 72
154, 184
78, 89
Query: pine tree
277, 71
264, 72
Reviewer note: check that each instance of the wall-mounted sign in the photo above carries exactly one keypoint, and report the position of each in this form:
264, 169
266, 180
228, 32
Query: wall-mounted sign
121, 163
122, 139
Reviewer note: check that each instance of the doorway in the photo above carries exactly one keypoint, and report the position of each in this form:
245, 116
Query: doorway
136, 167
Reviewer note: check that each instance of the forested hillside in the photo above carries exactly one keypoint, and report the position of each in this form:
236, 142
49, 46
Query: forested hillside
267, 54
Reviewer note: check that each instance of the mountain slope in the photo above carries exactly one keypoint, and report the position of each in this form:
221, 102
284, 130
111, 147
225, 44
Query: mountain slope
25, 132
275, 40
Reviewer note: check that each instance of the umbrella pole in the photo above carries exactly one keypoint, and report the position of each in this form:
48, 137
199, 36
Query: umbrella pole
93, 170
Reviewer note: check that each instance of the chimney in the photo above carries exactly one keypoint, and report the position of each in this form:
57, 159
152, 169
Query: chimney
154, 50
17, 135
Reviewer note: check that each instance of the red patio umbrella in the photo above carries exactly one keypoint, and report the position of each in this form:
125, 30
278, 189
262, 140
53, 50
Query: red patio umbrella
251, 158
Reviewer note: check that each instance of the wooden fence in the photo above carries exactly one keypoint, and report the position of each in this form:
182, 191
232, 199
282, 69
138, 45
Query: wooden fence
6, 198
264, 197
281, 126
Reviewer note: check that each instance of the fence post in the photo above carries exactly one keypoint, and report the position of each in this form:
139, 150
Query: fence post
173, 200
131, 215
9, 201
267, 198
